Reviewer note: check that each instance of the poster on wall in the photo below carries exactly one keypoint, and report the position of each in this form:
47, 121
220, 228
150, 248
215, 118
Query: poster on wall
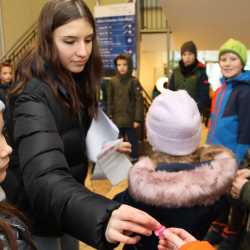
116, 32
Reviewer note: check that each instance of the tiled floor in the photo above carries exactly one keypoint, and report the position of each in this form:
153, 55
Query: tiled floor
104, 187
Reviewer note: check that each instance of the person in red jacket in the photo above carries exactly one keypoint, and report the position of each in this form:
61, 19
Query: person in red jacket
180, 239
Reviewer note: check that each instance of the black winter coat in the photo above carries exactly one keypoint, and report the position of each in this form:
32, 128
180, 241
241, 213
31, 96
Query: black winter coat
49, 166
3, 91
184, 195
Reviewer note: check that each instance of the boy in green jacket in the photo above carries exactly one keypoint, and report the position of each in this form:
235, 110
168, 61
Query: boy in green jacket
125, 101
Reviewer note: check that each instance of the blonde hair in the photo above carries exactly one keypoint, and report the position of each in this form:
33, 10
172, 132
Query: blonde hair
201, 154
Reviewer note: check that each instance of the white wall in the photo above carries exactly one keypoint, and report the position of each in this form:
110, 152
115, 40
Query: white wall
2, 45
208, 23
153, 57
18, 16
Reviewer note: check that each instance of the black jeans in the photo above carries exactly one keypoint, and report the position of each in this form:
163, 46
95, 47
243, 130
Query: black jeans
130, 133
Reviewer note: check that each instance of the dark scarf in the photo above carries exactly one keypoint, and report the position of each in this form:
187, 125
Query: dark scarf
123, 78
188, 70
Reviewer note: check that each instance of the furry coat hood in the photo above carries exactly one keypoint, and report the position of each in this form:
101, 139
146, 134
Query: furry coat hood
203, 184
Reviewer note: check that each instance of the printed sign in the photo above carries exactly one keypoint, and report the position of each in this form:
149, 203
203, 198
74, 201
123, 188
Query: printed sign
116, 32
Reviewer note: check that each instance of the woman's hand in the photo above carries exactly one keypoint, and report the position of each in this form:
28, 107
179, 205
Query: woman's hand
127, 223
174, 239
124, 147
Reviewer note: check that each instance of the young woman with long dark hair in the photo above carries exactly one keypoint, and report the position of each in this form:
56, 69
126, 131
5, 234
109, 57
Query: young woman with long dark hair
14, 232
51, 107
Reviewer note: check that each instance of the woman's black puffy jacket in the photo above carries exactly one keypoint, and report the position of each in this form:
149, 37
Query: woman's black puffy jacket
49, 166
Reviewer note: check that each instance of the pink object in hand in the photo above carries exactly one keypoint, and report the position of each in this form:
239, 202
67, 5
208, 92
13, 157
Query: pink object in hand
160, 231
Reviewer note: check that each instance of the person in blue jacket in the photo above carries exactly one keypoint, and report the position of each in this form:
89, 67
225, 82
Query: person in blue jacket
230, 126
230, 123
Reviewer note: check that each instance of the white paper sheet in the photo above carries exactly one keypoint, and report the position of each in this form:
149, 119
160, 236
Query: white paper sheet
101, 131
114, 165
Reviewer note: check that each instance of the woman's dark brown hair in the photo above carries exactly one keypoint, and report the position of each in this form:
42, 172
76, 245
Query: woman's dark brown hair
54, 14
9, 233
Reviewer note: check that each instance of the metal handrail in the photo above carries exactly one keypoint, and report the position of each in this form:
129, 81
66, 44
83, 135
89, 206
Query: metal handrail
152, 17
147, 100
20, 47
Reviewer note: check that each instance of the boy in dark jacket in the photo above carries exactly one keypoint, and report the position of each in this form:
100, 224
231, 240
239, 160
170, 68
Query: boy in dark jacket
191, 76
125, 101
181, 184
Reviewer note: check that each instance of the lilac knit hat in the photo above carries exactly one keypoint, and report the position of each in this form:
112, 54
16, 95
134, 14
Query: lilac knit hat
173, 123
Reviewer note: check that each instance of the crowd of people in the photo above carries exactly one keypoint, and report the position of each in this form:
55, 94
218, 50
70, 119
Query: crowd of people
196, 195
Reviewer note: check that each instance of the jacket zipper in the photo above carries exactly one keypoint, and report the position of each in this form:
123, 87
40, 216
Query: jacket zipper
213, 125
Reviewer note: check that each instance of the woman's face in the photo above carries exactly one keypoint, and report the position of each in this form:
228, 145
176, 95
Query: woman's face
5, 151
230, 65
74, 42
188, 58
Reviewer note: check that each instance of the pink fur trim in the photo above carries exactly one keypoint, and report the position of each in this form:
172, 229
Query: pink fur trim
200, 186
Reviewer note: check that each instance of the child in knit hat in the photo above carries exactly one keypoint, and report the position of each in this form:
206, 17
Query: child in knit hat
191, 75
230, 127
181, 183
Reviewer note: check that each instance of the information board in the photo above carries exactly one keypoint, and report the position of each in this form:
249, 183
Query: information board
116, 32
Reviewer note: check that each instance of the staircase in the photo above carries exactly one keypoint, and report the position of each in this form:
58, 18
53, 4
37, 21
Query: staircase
28, 39
22, 45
